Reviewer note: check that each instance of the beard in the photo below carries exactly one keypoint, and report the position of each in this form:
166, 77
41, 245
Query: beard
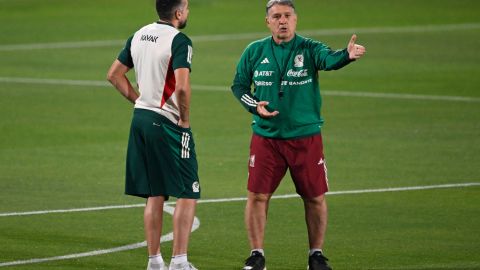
182, 25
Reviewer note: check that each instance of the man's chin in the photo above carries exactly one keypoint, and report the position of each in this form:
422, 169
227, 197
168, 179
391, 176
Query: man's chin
284, 36
182, 25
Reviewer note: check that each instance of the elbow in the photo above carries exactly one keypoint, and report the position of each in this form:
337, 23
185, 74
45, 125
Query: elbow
110, 77
182, 89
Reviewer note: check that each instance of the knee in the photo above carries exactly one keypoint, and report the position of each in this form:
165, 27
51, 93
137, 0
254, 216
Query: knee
154, 206
319, 200
259, 197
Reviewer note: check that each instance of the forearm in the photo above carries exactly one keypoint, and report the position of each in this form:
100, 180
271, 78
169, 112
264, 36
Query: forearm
183, 99
123, 85
337, 59
183, 92
243, 93
116, 76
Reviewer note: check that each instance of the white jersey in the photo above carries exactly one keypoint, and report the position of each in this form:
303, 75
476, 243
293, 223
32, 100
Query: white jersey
155, 51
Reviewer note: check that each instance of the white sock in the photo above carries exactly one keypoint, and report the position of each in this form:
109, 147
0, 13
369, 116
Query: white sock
313, 250
155, 260
179, 259
258, 250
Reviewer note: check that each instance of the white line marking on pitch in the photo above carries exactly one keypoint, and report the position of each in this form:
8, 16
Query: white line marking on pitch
196, 223
165, 238
224, 88
247, 36
330, 193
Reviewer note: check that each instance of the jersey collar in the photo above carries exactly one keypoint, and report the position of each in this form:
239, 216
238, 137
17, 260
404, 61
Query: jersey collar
165, 23
287, 44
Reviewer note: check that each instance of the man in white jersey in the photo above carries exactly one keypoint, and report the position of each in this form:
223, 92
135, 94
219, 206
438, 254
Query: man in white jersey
161, 159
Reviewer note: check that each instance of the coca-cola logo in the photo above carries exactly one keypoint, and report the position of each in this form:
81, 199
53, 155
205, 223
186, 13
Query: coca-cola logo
297, 73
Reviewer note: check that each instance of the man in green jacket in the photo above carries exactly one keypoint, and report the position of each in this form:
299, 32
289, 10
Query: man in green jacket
285, 103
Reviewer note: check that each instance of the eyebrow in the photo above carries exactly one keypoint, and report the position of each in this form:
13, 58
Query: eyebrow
282, 13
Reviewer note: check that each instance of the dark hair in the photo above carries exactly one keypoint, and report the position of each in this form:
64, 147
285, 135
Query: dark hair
166, 8
271, 3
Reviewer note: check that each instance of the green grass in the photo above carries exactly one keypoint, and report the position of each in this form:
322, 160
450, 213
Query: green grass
63, 147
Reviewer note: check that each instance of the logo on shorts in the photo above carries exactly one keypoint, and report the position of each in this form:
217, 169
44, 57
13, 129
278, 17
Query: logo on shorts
196, 187
252, 161
321, 162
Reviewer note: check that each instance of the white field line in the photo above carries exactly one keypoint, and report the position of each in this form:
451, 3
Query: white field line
399, 96
90, 83
54, 81
196, 223
165, 238
248, 36
330, 193
89, 209
361, 191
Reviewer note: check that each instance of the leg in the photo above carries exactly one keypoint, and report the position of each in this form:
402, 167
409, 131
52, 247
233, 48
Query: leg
256, 218
152, 219
316, 219
182, 224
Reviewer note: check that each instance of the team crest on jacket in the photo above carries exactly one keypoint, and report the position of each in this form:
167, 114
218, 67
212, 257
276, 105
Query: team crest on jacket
298, 61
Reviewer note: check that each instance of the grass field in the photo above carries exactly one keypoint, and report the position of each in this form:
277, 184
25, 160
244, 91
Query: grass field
407, 115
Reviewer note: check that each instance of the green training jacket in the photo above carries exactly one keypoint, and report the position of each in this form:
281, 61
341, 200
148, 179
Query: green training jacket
286, 76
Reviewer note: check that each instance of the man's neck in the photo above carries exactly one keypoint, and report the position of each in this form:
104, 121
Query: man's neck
173, 24
279, 41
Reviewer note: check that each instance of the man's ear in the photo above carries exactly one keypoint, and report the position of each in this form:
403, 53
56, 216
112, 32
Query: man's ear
178, 14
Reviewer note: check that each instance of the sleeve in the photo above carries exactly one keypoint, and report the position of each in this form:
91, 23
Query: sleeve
328, 59
242, 82
182, 52
125, 56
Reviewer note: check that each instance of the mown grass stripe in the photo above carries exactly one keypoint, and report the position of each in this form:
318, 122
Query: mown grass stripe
247, 36
196, 224
90, 83
331, 193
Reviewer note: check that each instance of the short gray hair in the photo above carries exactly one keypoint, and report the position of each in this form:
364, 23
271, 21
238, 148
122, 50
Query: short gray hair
271, 3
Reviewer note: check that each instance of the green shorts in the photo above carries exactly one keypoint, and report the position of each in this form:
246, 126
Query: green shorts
161, 159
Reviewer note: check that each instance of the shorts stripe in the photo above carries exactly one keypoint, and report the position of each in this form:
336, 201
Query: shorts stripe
185, 145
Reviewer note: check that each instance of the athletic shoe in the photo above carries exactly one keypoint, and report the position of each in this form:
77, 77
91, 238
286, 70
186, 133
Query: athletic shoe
318, 262
256, 261
182, 266
156, 266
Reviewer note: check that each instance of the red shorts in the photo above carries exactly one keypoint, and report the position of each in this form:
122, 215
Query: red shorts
270, 159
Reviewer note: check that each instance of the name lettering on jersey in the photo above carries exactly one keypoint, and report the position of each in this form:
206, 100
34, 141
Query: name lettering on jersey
297, 73
149, 38
263, 73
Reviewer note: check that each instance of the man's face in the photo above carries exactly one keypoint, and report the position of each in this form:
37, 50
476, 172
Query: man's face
282, 22
183, 14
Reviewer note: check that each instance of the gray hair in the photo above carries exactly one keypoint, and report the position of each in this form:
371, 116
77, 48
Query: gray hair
271, 3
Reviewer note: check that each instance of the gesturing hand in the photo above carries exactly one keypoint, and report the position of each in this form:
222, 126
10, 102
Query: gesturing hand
355, 51
263, 112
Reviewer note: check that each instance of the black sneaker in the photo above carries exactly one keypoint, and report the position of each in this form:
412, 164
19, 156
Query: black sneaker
318, 262
256, 261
